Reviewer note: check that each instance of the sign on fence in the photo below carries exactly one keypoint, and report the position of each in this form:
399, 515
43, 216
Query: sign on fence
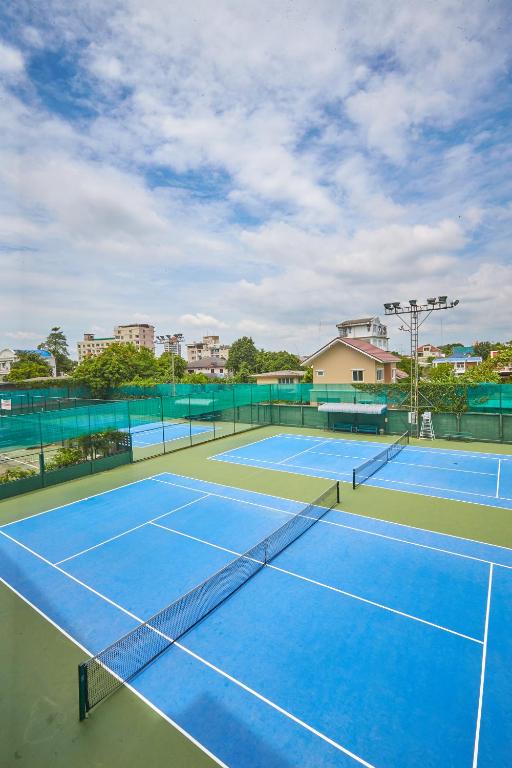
5, 405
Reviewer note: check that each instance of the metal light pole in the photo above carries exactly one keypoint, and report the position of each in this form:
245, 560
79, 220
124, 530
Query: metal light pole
414, 315
168, 340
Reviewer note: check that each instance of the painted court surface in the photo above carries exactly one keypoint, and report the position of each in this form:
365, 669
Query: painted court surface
363, 643
154, 433
481, 478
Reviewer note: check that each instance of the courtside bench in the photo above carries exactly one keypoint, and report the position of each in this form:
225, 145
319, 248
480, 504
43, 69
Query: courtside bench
342, 427
458, 436
367, 429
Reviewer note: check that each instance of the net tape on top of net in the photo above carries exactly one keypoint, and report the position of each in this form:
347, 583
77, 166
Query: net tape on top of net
103, 674
368, 468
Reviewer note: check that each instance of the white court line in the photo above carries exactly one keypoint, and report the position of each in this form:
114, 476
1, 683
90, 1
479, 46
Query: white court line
325, 586
199, 658
78, 501
416, 448
498, 480
364, 530
482, 677
233, 498
405, 463
283, 468
437, 488
392, 523
128, 685
278, 467
130, 530
294, 455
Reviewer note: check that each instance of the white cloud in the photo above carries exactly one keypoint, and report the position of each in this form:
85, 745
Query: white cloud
199, 320
257, 168
11, 60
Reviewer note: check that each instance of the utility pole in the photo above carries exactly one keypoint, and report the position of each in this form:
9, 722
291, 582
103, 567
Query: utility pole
414, 315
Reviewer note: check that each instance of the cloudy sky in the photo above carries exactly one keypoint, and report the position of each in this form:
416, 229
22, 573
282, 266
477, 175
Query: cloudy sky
254, 167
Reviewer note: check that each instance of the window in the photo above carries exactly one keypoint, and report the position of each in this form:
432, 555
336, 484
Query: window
222, 370
319, 373
380, 374
357, 375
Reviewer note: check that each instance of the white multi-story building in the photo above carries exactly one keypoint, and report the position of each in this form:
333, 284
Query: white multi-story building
210, 346
369, 329
141, 335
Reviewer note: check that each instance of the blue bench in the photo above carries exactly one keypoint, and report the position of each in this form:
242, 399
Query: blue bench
342, 427
368, 429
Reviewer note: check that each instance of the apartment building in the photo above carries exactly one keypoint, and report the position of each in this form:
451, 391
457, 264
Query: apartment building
140, 334
210, 346
369, 329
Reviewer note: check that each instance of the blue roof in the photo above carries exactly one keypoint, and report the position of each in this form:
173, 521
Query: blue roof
40, 352
458, 359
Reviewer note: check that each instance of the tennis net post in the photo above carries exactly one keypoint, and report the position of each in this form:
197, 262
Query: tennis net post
121, 661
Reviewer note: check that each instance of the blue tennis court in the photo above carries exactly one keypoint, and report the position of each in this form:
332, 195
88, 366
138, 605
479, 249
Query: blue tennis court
481, 478
150, 434
363, 643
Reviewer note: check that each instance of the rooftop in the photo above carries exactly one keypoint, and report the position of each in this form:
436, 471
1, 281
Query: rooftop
370, 350
272, 374
208, 362
359, 321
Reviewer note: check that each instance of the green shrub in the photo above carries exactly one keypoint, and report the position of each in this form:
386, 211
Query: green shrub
16, 474
65, 457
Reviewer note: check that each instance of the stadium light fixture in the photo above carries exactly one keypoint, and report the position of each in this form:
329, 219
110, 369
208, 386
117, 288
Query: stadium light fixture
414, 315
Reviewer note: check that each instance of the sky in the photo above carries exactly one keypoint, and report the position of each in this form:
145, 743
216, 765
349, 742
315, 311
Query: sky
255, 168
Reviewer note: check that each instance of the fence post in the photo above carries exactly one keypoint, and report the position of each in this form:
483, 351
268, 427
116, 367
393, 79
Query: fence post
41, 466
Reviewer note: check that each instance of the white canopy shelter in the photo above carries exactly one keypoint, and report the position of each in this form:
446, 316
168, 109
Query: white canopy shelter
376, 409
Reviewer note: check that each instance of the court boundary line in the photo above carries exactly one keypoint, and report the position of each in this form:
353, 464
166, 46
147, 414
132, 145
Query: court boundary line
371, 533
448, 451
482, 674
137, 693
407, 464
294, 455
353, 514
278, 464
199, 658
130, 530
498, 480
372, 482
77, 501
330, 587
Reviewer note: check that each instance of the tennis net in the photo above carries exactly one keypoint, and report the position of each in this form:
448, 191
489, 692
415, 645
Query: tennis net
105, 673
364, 471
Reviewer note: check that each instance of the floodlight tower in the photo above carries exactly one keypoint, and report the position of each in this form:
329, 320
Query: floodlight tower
171, 342
414, 315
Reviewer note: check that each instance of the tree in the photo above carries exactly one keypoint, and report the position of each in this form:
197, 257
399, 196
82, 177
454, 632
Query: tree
195, 378
442, 374
29, 365
165, 367
118, 364
242, 350
57, 344
308, 376
483, 348
276, 361
243, 375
